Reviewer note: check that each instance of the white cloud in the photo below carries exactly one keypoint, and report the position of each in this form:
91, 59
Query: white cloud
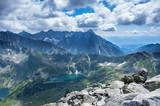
120, 2
9, 6
100, 20
88, 20
72, 4
54, 5
70, 12
34, 15
67, 4
12, 26
133, 32
128, 13
108, 27
155, 29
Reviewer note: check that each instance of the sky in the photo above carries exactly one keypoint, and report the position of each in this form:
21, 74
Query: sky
106, 17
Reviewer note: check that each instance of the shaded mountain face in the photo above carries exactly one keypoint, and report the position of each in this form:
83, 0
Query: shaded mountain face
8, 48
77, 42
20, 41
127, 49
150, 48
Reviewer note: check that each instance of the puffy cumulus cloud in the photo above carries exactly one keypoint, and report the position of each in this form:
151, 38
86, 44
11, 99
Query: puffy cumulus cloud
103, 13
54, 5
156, 17
8, 6
36, 25
25, 11
108, 27
125, 12
70, 12
102, 19
36, 15
72, 4
45, 16
60, 23
119, 2
88, 20
66, 4
12, 26
63, 23
30, 17
33, 16
128, 12
129, 18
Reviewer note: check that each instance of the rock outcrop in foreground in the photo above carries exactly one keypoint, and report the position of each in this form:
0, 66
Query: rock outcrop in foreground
133, 90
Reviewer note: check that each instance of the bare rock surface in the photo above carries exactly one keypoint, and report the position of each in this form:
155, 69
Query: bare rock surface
134, 90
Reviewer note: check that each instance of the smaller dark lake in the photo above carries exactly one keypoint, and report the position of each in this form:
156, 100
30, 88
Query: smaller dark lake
65, 78
4, 92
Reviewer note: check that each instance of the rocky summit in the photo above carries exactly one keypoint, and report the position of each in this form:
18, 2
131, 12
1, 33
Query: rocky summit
133, 90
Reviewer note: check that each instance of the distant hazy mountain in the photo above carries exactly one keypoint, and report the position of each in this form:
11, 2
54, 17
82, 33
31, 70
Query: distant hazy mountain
150, 48
37, 45
127, 49
77, 42
133, 40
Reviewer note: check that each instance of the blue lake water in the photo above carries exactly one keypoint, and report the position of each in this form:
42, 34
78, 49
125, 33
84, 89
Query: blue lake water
65, 78
4, 92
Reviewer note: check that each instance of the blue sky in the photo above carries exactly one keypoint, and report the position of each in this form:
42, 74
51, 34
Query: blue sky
81, 11
105, 17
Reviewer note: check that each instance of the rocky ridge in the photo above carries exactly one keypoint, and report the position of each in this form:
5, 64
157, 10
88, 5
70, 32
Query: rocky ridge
134, 90
77, 42
150, 48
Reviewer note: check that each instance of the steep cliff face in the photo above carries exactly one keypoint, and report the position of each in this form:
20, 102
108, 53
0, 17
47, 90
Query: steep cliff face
132, 90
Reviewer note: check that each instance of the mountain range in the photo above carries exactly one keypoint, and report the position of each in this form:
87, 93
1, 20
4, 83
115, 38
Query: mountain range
77, 42
53, 42
150, 48
38, 68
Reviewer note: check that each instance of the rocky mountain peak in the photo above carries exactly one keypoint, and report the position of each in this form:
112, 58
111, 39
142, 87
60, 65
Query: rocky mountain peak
91, 31
9, 31
50, 30
23, 32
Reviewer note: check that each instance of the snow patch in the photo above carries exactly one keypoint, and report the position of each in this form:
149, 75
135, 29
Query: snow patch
110, 64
